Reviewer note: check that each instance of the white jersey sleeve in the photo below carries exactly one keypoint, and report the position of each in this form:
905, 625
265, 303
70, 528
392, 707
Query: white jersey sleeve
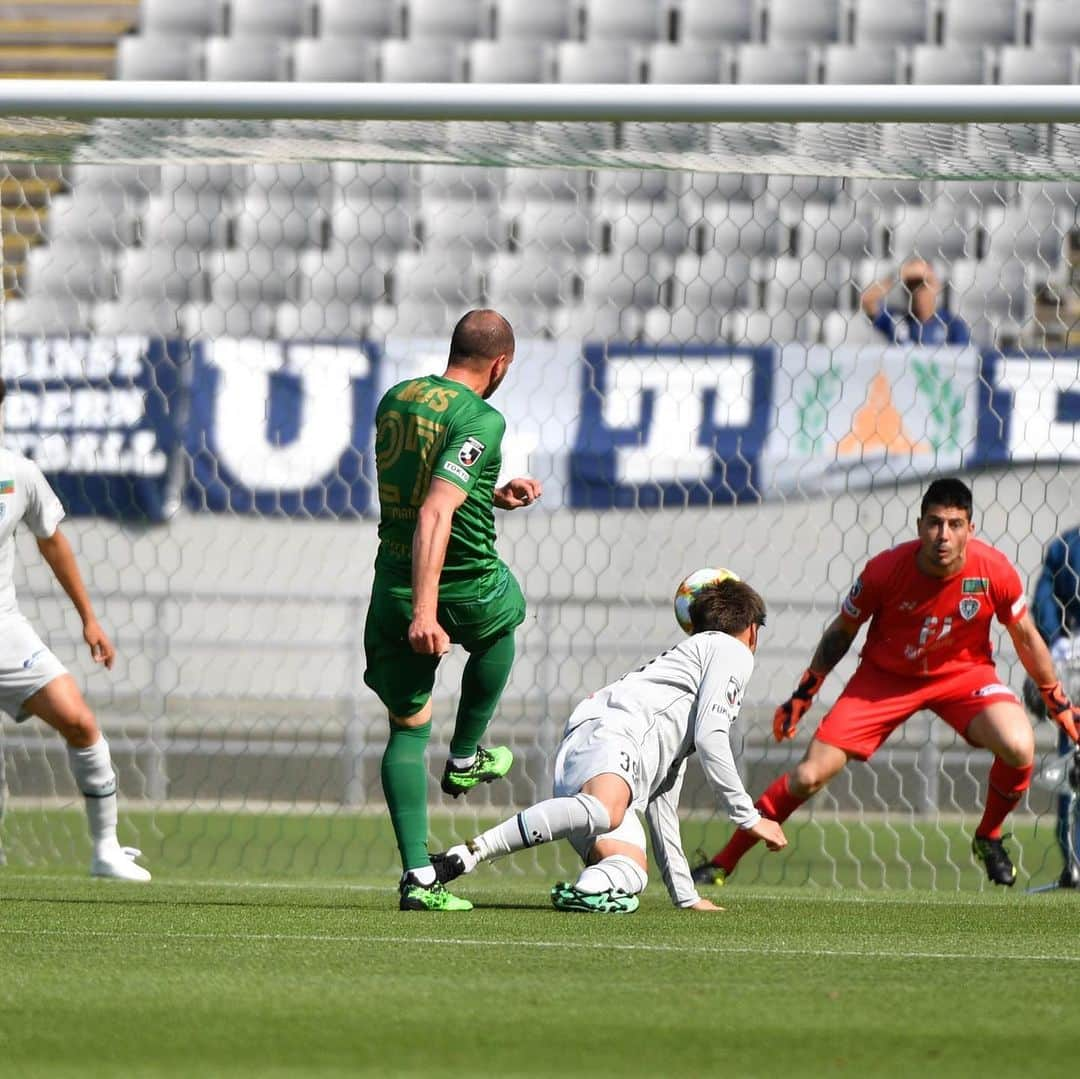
662, 815
719, 700
43, 512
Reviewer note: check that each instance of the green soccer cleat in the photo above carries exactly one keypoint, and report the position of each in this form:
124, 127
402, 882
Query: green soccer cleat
994, 856
564, 896
429, 897
490, 764
709, 875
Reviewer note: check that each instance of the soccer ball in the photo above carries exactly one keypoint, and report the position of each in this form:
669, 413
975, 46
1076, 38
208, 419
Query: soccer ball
689, 587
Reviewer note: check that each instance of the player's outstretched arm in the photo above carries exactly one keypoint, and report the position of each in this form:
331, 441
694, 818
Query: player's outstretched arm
833, 646
1036, 659
518, 492
430, 540
57, 552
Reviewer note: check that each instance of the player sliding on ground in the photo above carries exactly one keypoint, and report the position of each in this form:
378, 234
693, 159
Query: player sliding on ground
624, 752
33, 682
929, 603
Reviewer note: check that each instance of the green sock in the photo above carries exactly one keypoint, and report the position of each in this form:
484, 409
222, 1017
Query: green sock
404, 783
482, 683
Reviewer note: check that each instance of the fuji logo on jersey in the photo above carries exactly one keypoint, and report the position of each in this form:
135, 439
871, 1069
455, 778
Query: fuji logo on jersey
969, 608
470, 451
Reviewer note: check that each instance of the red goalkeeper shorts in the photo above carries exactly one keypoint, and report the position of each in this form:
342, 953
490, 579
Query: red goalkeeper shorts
875, 702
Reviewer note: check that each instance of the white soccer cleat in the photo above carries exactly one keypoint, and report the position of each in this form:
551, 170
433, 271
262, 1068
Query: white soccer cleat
118, 863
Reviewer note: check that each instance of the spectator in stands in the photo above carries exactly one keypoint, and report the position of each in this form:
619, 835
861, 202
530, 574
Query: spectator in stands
920, 321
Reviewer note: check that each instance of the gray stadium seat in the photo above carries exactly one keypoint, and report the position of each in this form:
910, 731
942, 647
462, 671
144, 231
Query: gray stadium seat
474, 225
843, 228
848, 64
106, 218
592, 61
244, 59
461, 181
713, 281
152, 318
536, 22
448, 277
252, 276
419, 60
232, 319
544, 185
945, 66
348, 18
384, 224
667, 63
70, 271
414, 319
461, 19
980, 22
680, 325
794, 22
752, 328
555, 225
941, 231
878, 22
725, 186
1054, 23
638, 184
1048, 65
771, 64
605, 321
283, 18
136, 181
161, 274
704, 22
744, 228
186, 217
338, 59
1033, 232
630, 278
651, 225
810, 283
199, 18
993, 298
533, 277
624, 20
157, 56
333, 320
351, 274
507, 60
359, 181
279, 216
852, 330
46, 316
224, 179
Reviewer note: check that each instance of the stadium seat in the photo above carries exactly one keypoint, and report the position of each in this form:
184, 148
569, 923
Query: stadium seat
136, 181
161, 274
958, 64
556, 226
940, 231
680, 325
147, 317
167, 57
384, 224
533, 277
666, 63
281, 18
706, 22
244, 59
352, 274
711, 281
252, 276
461, 19
70, 270
1048, 65
624, 20
46, 316
333, 320
638, 184
448, 277
347, 18
338, 59
232, 319
198, 18
544, 186
846, 64
269, 217
1033, 232
461, 181
651, 225
359, 182
419, 60
508, 60
878, 22
532, 21
850, 330
844, 228
724, 186
799, 22
744, 228
605, 321
980, 22
993, 298
592, 61
771, 64
414, 319
810, 283
186, 217
224, 179
473, 225
1054, 23
752, 328
630, 278
106, 218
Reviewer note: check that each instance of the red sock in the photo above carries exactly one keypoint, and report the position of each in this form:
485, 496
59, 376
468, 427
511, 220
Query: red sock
777, 803
1007, 786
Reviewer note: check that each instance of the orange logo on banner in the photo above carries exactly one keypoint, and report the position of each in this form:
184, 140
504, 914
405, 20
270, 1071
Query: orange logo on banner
877, 425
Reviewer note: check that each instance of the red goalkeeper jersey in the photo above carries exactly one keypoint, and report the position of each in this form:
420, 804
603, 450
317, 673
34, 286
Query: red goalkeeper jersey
924, 626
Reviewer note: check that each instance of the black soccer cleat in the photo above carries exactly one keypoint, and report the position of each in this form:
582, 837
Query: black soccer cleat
993, 855
709, 875
448, 866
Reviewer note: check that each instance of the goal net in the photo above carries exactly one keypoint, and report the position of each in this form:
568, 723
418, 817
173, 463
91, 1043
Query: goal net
201, 311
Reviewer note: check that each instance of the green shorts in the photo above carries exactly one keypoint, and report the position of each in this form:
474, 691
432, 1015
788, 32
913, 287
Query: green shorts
402, 678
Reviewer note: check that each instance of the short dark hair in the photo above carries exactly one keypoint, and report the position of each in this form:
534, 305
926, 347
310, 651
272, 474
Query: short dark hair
947, 492
728, 607
479, 337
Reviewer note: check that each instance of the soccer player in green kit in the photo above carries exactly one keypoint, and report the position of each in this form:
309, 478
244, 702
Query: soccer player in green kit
438, 580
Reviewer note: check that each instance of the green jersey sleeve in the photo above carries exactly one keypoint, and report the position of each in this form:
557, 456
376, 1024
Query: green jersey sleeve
472, 447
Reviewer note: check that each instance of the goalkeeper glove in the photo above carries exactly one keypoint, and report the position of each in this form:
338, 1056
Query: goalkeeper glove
1060, 709
787, 716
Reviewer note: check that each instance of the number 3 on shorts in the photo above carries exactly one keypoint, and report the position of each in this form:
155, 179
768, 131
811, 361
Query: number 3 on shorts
624, 761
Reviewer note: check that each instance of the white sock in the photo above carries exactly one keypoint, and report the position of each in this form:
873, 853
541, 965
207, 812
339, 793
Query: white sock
617, 871
463, 762
94, 776
557, 818
424, 875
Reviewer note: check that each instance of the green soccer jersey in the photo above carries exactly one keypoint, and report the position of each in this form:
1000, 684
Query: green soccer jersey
427, 427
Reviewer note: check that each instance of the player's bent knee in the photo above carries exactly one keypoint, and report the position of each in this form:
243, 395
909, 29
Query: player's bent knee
806, 781
417, 719
78, 727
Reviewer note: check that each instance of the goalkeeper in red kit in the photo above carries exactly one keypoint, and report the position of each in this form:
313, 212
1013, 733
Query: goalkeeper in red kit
929, 605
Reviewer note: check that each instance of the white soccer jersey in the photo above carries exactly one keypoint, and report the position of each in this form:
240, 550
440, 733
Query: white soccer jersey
25, 495
685, 699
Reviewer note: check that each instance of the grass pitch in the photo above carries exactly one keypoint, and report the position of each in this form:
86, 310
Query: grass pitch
316, 976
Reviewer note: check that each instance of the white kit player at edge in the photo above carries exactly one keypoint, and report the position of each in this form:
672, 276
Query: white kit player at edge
624, 752
33, 682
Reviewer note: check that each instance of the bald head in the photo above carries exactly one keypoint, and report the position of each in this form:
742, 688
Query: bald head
480, 337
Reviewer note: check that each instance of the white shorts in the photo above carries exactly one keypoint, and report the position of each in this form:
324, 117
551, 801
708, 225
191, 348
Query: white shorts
26, 665
590, 750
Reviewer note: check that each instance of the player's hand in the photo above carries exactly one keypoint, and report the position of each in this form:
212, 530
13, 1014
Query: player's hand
428, 638
770, 833
101, 648
515, 493
1060, 709
704, 904
786, 717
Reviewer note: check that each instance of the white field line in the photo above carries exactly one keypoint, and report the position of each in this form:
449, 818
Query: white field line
568, 945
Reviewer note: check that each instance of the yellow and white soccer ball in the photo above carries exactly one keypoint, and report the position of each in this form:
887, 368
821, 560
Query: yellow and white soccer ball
689, 587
